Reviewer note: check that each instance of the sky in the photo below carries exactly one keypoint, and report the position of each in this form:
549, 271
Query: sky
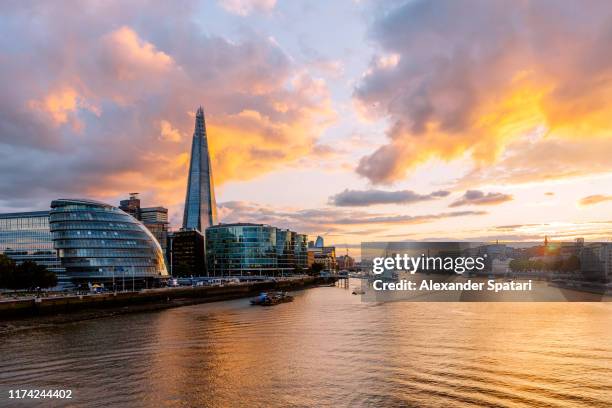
356, 120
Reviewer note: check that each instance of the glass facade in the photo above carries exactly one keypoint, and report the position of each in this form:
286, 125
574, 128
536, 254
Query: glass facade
254, 249
96, 241
26, 237
300, 249
154, 218
200, 205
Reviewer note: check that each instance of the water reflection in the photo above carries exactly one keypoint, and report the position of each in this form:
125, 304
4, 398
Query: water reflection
325, 349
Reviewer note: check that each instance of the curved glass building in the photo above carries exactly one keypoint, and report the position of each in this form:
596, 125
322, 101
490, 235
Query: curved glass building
97, 242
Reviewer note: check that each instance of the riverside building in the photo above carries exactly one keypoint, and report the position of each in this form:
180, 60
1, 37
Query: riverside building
187, 246
325, 256
245, 249
154, 218
99, 243
25, 236
187, 257
200, 205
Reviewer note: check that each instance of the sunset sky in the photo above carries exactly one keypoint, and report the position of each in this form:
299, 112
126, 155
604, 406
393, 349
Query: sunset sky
354, 120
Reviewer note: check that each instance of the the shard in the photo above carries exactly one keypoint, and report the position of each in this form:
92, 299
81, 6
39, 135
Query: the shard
200, 205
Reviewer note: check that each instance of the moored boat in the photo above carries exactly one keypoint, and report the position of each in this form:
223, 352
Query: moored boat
271, 299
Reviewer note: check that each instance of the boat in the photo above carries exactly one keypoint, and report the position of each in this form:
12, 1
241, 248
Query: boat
358, 291
259, 299
271, 299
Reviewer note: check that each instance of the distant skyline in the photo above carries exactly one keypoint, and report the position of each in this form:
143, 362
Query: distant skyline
355, 120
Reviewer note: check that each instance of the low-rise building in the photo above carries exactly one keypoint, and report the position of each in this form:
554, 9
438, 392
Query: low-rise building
25, 236
187, 253
596, 261
325, 256
345, 262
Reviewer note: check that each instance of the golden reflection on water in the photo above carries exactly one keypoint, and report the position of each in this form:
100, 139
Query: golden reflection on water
327, 348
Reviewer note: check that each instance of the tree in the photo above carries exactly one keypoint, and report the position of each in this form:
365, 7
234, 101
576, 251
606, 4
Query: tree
520, 265
7, 271
571, 264
315, 269
44, 278
25, 276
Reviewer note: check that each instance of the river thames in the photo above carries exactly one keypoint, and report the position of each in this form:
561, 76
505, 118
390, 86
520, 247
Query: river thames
326, 348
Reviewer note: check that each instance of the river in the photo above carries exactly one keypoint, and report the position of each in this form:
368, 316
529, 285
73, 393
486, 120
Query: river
326, 348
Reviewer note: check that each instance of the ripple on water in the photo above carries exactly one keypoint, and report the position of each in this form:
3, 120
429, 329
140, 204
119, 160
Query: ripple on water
325, 349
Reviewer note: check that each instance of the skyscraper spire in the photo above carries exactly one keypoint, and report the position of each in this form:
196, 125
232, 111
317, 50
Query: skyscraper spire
200, 204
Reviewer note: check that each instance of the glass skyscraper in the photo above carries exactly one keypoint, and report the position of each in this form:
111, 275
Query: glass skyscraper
97, 242
200, 205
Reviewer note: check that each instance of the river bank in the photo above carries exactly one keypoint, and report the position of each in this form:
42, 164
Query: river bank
39, 312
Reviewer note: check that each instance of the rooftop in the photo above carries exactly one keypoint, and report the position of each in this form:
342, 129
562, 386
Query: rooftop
68, 201
25, 214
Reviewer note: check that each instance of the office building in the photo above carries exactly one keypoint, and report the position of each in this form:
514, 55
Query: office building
200, 205
285, 256
131, 205
156, 221
596, 261
345, 262
25, 236
244, 249
319, 243
154, 218
186, 253
300, 249
325, 256
99, 243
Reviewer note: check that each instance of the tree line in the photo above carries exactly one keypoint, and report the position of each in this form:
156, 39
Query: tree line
27, 275
570, 264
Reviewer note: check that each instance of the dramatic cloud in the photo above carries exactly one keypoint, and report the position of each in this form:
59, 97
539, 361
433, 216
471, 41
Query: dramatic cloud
245, 7
595, 199
362, 198
98, 99
474, 78
542, 160
315, 221
475, 197
168, 132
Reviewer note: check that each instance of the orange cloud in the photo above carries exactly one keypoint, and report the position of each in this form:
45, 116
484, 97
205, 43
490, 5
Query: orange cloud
594, 199
249, 143
131, 56
169, 133
452, 93
58, 105
126, 86
527, 161
61, 106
